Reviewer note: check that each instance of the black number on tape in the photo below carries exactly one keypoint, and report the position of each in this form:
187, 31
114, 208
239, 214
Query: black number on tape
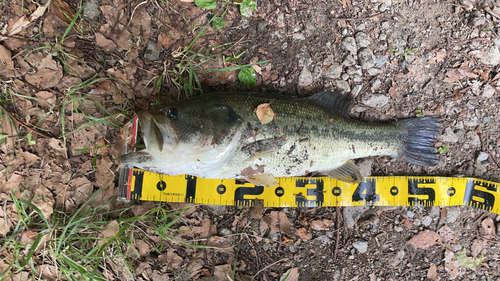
221, 189
394, 190
317, 191
336, 191
477, 194
190, 188
279, 191
139, 178
366, 192
451, 191
241, 191
420, 188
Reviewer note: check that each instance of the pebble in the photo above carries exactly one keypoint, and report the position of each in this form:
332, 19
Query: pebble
374, 71
362, 39
350, 44
473, 138
352, 214
482, 156
452, 214
354, 71
323, 239
366, 58
328, 60
151, 53
342, 85
305, 75
486, 119
410, 214
217, 210
488, 91
376, 84
427, 220
334, 71
361, 246
298, 36
225, 232
303, 59
349, 61
386, 25
492, 57
91, 10
449, 136
273, 235
375, 100
397, 258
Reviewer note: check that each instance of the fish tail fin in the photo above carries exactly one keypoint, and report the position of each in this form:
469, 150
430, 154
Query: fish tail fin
419, 142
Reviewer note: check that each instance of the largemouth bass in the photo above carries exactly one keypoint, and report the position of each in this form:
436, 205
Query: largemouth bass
220, 136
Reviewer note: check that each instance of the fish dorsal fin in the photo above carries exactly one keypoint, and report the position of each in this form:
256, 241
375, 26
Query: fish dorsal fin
348, 172
334, 99
264, 179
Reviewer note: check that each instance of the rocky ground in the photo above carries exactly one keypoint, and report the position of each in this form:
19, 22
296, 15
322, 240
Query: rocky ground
67, 91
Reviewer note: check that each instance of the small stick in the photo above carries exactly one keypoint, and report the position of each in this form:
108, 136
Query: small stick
357, 19
24, 125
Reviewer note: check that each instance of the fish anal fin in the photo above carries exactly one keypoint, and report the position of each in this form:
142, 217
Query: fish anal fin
347, 172
264, 179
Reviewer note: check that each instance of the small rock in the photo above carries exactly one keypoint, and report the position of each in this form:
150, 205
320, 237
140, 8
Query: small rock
449, 136
386, 25
377, 83
91, 10
383, 7
362, 39
398, 228
452, 214
305, 75
273, 235
410, 214
333, 71
304, 59
488, 91
298, 36
477, 21
365, 167
354, 71
349, 61
486, 119
375, 100
218, 210
151, 52
492, 57
380, 61
482, 156
352, 214
397, 258
342, 85
225, 232
316, 73
473, 138
361, 246
360, 27
427, 220
323, 239
328, 60
350, 44
366, 58
374, 71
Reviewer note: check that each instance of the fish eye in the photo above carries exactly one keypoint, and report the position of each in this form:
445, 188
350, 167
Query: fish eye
173, 113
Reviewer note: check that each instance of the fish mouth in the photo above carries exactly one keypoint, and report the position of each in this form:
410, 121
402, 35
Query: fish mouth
157, 137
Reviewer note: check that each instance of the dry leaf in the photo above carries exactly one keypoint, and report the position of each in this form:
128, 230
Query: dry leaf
425, 239
264, 113
104, 43
290, 275
304, 234
407, 223
450, 265
465, 72
256, 209
44, 200
489, 227
453, 76
285, 240
109, 232
446, 233
457, 94
277, 221
477, 246
24, 22
432, 273
440, 55
321, 225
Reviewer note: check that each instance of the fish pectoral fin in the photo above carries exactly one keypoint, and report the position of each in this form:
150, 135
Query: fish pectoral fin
265, 179
348, 172
263, 147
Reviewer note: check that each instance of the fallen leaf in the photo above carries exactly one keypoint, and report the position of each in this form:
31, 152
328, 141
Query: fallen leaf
256, 209
290, 275
465, 261
477, 246
425, 239
467, 73
24, 22
451, 266
110, 231
321, 225
264, 113
446, 233
457, 94
407, 223
393, 92
432, 273
440, 55
44, 200
304, 234
489, 227
143, 248
104, 43
285, 240
484, 74
453, 76
277, 221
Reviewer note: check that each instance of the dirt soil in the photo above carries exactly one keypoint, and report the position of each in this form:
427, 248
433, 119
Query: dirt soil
397, 58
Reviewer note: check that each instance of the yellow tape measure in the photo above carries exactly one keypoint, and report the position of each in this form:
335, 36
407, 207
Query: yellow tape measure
313, 192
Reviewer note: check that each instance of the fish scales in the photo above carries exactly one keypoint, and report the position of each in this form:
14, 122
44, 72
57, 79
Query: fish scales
220, 136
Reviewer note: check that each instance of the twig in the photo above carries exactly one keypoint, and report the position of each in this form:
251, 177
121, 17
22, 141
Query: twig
338, 233
283, 259
487, 9
24, 125
357, 19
